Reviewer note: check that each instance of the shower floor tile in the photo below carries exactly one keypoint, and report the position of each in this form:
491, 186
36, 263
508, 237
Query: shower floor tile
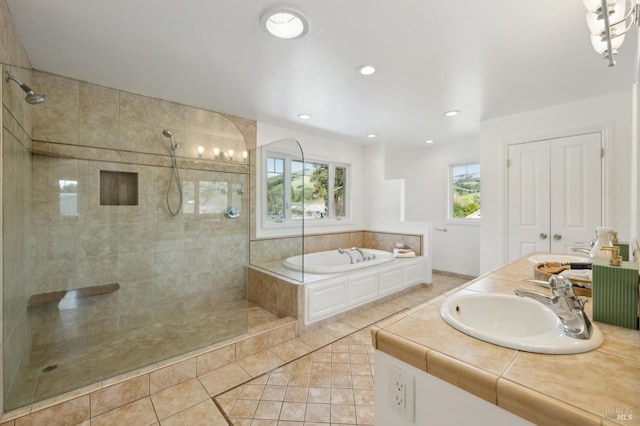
65, 356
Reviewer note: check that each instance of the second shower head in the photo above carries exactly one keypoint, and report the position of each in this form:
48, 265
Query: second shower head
31, 98
168, 134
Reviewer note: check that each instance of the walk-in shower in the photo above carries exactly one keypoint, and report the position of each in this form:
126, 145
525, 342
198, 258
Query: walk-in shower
174, 175
176, 283
31, 98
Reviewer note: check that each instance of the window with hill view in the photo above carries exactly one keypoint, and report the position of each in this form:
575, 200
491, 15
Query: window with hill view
464, 192
308, 189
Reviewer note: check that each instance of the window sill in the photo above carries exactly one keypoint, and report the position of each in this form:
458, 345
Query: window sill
463, 222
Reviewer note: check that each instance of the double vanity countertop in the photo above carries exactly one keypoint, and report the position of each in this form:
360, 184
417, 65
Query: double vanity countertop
600, 387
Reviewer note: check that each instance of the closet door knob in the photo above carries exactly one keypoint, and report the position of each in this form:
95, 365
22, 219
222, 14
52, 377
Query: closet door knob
557, 237
543, 236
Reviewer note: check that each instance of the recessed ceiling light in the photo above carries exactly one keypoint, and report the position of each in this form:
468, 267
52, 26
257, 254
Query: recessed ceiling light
452, 113
371, 135
284, 22
366, 70
304, 116
429, 141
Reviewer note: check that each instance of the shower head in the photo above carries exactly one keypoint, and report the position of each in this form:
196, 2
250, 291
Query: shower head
168, 134
31, 98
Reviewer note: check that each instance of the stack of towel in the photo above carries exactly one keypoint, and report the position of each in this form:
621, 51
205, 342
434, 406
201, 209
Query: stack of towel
401, 252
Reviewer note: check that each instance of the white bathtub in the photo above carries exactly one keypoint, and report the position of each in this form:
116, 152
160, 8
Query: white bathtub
332, 262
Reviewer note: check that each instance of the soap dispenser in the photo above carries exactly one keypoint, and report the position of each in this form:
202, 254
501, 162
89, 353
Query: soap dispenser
603, 239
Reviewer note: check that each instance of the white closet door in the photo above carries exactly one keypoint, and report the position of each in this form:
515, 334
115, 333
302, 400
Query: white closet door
528, 215
555, 194
576, 190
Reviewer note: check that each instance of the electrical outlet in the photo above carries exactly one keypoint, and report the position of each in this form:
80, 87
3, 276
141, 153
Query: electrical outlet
402, 393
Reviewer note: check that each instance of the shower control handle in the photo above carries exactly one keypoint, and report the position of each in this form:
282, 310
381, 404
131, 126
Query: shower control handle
232, 213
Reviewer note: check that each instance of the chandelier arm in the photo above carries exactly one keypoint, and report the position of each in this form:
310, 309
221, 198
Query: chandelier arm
631, 13
607, 34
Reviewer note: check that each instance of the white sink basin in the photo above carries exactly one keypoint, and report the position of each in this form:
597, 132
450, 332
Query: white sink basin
514, 322
560, 258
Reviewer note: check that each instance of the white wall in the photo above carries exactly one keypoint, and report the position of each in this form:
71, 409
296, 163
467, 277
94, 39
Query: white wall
611, 112
425, 171
384, 205
315, 146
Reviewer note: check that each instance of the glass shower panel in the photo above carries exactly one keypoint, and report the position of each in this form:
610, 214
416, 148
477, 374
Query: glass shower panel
105, 289
279, 181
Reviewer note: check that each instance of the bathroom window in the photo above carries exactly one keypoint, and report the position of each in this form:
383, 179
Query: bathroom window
464, 192
309, 189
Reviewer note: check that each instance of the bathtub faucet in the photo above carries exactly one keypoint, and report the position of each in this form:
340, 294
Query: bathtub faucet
361, 253
342, 251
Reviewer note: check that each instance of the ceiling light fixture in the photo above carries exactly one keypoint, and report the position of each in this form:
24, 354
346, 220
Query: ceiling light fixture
429, 141
608, 21
452, 113
372, 135
284, 22
367, 69
304, 116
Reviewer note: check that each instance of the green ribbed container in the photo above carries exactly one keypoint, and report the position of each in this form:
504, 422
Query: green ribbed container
615, 293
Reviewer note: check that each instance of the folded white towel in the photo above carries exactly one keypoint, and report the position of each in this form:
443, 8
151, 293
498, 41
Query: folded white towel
404, 253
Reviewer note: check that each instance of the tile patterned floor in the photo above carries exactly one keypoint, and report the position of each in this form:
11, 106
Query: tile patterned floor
323, 377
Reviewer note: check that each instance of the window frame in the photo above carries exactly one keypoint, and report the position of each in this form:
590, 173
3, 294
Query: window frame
450, 219
287, 220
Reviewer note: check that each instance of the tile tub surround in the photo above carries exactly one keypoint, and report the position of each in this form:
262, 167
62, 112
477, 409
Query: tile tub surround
270, 249
585, 388
279, 290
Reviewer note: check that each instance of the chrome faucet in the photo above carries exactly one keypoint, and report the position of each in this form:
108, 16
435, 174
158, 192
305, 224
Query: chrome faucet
359, 251
342, 251
565, 304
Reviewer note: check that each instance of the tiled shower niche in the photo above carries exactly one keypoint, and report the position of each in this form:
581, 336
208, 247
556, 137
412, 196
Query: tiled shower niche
117, 188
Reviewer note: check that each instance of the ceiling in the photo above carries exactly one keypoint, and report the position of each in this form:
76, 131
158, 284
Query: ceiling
484, 58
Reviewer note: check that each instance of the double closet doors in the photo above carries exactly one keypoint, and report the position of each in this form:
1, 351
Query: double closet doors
554, 194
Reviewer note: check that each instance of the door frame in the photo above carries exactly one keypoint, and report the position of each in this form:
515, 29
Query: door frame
605, 137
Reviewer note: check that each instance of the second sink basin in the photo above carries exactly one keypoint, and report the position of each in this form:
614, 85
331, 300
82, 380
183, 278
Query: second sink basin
514, 322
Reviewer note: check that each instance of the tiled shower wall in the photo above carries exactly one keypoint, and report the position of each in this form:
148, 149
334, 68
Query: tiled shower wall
142, 247
16, 215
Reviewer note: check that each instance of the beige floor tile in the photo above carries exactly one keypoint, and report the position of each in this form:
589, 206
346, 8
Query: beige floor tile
139, 412
362, 382
363, 396
299, 379
204, 414
296, 394
281, 379
345, 414
320, 380
318, 413
365, 414
293, 411
224, 378
341, 381
260, 363
268, 410
342, 396
245, 408
250, 391
319, 395
274, 393
291, 350
178, 398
